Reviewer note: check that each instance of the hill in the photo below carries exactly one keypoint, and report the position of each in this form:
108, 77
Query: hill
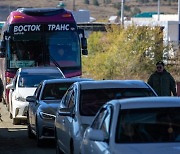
101, 11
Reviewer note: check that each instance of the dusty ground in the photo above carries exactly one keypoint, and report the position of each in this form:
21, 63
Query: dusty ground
14, 139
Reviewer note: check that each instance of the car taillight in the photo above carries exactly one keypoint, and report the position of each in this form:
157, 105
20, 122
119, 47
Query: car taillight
8, 80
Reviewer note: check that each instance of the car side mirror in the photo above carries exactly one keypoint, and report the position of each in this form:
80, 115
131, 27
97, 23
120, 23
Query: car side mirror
66, 112
31, 99
95, 135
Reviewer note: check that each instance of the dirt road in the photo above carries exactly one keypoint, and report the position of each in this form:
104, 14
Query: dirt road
14, 139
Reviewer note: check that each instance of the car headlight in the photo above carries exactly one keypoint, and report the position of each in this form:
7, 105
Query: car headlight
21, 99
47, 116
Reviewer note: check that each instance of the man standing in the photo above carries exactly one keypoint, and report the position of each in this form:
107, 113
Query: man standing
1, 90
162, 81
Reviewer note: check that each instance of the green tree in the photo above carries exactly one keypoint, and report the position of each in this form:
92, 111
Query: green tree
123, 53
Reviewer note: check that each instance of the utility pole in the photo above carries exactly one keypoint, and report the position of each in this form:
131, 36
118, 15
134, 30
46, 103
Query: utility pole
122, 12
158, 10
74, 5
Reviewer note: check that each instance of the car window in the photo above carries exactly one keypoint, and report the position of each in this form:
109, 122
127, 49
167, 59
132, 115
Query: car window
55, 91
33, 80
105, 126
92, 99
71, 100
37, 91
148, 125
98, 119
67, 97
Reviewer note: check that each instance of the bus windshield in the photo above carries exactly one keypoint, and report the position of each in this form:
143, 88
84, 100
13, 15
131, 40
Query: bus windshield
49, 48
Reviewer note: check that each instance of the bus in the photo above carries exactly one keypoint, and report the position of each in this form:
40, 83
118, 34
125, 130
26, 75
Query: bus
33, 37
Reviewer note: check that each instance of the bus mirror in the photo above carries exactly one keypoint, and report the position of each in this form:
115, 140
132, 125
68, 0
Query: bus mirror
84, 51
84, 43
2, 49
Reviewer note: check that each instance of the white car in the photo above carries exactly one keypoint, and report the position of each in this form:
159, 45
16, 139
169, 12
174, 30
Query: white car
149, 125
82, 101
24, 84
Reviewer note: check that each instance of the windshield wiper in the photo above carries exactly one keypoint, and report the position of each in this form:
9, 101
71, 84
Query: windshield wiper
55, 62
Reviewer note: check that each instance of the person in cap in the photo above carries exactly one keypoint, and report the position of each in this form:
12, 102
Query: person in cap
162, 81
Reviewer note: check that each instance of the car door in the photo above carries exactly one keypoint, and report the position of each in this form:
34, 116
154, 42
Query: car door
101, 122
68, 123
61, 127
33, 107
11, 91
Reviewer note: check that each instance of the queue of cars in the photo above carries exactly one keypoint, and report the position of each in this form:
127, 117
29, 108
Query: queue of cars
90, 116
82, 101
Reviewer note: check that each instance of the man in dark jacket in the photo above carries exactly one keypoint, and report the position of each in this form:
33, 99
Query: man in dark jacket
162, 81
1, 90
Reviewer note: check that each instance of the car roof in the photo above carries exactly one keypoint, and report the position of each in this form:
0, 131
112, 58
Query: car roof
39, 70
147, 102
66, 80
113, 83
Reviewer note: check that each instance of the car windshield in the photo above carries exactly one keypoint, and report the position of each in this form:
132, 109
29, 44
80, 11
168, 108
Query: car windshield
55, 91
93, 99
34, 80
148, 125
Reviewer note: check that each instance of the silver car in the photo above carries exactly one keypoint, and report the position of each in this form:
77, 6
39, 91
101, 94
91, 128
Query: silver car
43, 105
149, 125
82, 101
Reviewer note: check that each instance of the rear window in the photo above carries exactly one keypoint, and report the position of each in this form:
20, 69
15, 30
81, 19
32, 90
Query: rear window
55, 91
148, 125
91, 100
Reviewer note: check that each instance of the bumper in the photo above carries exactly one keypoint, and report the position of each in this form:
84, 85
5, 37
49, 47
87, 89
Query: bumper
46, 128
20, 109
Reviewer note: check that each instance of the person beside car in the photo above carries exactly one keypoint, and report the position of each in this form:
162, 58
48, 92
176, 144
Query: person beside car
162, 81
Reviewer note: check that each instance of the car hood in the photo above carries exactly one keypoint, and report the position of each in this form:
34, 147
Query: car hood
24, 92
148, 148
50, 106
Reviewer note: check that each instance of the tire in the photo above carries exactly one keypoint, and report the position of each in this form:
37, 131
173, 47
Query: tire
38, 140
16, 121
30, 134
71, 147
58, 151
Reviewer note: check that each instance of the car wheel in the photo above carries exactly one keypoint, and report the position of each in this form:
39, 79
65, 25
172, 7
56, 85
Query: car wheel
38, 140
30, 134
16, 121
71, 147
58, 151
